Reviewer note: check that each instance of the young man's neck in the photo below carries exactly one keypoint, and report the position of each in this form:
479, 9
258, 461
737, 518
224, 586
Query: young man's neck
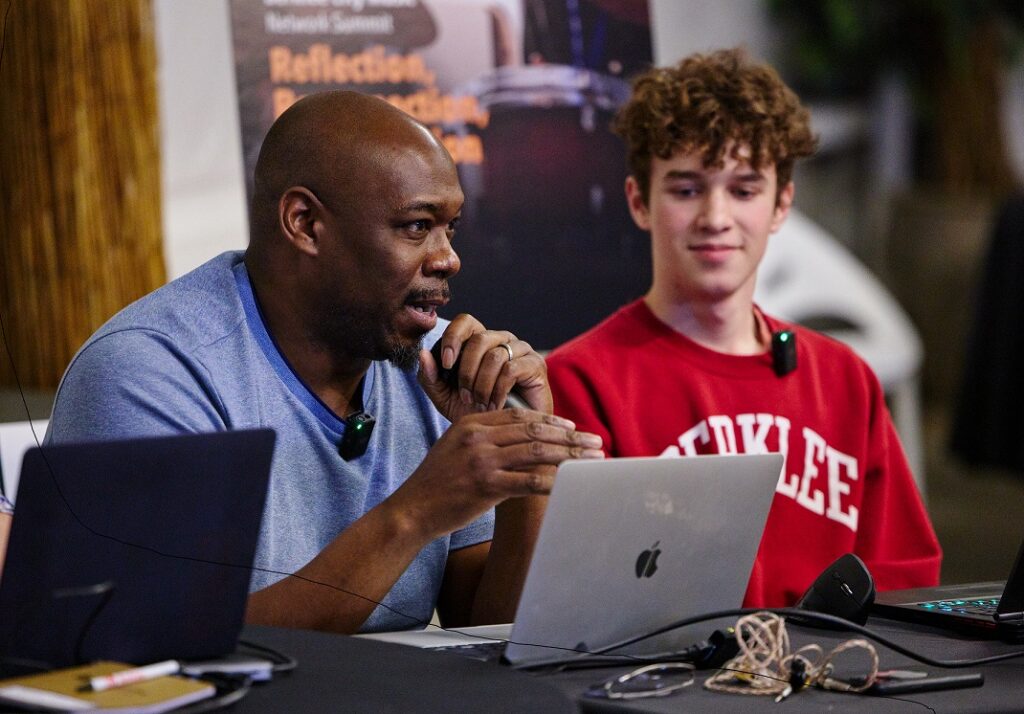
730, 326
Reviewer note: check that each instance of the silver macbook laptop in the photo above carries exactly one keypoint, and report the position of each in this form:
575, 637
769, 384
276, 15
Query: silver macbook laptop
628, 546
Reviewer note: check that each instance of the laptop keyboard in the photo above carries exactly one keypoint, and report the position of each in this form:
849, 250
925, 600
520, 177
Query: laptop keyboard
485, 651
983, 606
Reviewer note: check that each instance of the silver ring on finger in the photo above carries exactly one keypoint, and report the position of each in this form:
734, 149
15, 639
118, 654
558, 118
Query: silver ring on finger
508, 348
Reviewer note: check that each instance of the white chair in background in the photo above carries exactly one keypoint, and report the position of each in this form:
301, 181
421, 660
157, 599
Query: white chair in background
16, 438
807, 277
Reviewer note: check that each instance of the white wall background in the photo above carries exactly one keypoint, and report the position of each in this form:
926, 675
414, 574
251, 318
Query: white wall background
201, 152
681, 27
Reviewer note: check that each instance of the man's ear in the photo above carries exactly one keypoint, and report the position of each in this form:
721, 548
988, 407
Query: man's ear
637, 207
299, 213
782, 206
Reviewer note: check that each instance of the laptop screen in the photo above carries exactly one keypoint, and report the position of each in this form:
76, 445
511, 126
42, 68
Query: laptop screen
136, 550
629, 545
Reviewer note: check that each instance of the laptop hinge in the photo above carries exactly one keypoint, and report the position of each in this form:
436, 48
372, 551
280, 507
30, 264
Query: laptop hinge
1009, 616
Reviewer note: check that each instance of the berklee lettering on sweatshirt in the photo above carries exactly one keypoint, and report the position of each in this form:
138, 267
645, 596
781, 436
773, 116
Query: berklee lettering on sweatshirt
821, 486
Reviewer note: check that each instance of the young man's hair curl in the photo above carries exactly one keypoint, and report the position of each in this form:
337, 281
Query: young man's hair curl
713, 103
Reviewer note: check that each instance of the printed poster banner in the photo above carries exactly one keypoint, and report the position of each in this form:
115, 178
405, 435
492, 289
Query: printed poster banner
521, 93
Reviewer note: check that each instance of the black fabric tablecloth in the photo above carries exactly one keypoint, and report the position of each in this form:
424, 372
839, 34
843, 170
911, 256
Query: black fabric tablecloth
338, 673
349, 674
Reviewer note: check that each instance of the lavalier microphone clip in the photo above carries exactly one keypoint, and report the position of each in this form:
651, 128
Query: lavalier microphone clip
358, 428
783, 352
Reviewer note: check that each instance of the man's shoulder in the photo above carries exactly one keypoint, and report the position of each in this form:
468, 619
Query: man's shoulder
197, 308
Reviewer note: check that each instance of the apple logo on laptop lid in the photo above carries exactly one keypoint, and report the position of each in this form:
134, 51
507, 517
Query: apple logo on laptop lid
647, 562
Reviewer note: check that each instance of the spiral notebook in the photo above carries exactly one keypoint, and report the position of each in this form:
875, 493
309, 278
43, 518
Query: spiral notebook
60, 690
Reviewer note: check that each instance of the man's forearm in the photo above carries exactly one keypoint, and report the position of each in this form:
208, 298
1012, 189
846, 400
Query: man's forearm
516, 526
338, 589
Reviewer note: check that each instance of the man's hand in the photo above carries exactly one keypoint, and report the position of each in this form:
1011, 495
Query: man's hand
491, 363
485, 458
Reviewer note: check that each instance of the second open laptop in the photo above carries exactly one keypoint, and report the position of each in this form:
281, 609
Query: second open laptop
136, 551
630, 545
986, 610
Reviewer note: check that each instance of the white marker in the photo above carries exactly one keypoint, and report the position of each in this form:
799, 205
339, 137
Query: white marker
131, 676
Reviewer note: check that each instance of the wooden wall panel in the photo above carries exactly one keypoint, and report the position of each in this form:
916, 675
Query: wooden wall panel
80, 227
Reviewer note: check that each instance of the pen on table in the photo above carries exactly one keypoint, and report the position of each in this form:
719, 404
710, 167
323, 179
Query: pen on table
131, 676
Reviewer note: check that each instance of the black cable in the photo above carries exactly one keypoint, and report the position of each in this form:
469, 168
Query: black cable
3, 332
24, 666
105, 590
908, 701
821, 618
3, 38
234, 687
280, 661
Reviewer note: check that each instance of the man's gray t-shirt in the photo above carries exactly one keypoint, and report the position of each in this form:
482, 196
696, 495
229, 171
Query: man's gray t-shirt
195, 356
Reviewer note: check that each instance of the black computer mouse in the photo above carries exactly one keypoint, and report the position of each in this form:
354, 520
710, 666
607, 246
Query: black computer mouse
844, 589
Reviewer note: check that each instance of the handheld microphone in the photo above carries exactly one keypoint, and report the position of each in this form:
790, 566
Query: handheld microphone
783, 352
451, 378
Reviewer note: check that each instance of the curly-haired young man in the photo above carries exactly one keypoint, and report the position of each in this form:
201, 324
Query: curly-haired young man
688, 368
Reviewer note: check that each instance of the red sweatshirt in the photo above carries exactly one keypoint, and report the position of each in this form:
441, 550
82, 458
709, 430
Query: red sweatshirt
846, 486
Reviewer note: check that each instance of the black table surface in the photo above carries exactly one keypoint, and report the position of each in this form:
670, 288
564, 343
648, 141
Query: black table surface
337, 673
349, 674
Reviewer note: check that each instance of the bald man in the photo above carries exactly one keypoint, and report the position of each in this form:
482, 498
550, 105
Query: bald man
326, 315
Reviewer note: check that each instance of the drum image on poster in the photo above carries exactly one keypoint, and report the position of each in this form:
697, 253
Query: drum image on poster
547, 244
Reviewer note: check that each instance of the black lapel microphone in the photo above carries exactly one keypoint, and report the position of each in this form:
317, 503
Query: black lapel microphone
783, 352
358, 428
